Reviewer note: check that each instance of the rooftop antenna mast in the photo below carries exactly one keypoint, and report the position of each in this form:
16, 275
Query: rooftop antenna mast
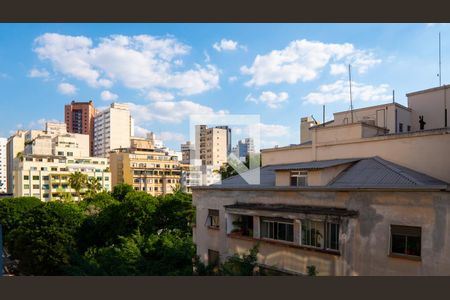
350, 83
440, 74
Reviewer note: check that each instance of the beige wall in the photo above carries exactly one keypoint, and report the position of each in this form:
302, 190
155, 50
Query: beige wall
364, 240
431, 104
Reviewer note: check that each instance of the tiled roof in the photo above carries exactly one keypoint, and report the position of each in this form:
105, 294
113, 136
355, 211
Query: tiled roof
315, 165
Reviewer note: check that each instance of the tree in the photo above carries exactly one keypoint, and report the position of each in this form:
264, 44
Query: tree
12, 211
77, 181
93, 187
44, 241
244, 265
121, 190
175, 211
227, 170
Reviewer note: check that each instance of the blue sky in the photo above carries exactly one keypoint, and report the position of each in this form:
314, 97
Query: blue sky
168, 71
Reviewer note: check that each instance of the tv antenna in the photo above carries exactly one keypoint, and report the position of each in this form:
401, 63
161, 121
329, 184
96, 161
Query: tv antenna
440, 74
350, 84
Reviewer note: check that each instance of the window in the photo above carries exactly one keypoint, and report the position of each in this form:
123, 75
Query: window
299, 178
60, 152
332, 236
45, 178
312, 233
54, 168
213, 257
213, 218
26, 186
35, 177
408, 128
277, 229
26, 177
405, 240
35, 186
400, 127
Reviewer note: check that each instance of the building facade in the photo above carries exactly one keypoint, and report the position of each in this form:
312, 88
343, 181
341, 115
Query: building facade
212, 145
244, 147
3, 159
355, 200
113, 129
44, 164
79, 118
145, 168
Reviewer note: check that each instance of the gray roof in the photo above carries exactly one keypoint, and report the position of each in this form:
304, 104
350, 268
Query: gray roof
315, 165
377, 172
373, 172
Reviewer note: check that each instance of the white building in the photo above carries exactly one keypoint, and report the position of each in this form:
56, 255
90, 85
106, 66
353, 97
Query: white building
113, 129
3, 176
42, 162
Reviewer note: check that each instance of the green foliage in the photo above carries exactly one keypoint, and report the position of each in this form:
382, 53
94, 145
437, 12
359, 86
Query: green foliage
244, 265
78, 181
311, 270
228, 171
12, 211
175, 211
93, 187
44, 240
121, 190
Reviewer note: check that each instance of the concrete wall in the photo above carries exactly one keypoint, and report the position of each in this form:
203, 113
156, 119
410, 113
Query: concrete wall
364, 240
431, 104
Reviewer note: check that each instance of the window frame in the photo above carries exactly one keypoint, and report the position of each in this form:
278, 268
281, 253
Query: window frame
405, 228
213, 219
276, 229
298, 174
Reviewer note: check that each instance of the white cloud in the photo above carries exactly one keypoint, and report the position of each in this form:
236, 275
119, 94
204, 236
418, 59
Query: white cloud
339, 91
303, 60
232, 78
337, 69
36, 73
270, 98
273, 130
171, 136
169, 111
139, 62
225, 45
140, 131
159, 96
108, 96
67, 88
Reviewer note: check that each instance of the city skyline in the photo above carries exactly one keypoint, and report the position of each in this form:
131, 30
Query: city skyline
168, 71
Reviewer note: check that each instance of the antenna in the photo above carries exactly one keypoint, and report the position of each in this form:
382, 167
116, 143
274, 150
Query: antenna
314, 119
323, 115
350, 82
393, 96
440, 74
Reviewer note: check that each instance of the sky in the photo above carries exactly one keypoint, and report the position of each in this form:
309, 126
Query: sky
167, 72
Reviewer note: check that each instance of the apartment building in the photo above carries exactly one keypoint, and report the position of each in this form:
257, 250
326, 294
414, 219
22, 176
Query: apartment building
212, 145
244, 147
79, 118
42, 169
113, 129
354, 200
145, 168
187, 152
3, 175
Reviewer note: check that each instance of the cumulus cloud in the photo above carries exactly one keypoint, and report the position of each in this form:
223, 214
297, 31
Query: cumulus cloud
232, 78
38, 73
171, 136
273, 100
159, 96
339, 91
303, 60
273, 130
140, 131
141, 62
108, 96
225, 45
67, 88
169, 111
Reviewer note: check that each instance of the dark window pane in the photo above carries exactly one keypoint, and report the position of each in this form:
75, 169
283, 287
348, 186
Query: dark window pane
294, 181
413, 245
398, 244
290, 233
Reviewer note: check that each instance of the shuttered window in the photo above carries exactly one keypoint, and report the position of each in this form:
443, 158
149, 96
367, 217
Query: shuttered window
406, 240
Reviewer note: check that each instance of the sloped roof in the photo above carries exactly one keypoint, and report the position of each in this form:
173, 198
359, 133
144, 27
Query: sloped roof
315, 165
377, 172
372, 172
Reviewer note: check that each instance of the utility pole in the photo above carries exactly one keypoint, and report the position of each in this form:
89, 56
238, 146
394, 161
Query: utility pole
440, 74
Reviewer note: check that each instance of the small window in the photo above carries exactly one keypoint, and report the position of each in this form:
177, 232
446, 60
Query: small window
213, 257
408, 128
400, 127
299, 178
405, 240
35, 177
277, 229
26, 177
312, 233
332, 236
213, 218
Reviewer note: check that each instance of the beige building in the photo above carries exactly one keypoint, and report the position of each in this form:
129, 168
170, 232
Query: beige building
212, 145
113, 129
355, 200
145, 168
42, 167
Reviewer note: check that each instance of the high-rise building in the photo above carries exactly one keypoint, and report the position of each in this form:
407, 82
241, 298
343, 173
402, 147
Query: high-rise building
245, 147
187, 152
113, 129
42, 167
79, 118
212, 145
145, 168
3, 176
